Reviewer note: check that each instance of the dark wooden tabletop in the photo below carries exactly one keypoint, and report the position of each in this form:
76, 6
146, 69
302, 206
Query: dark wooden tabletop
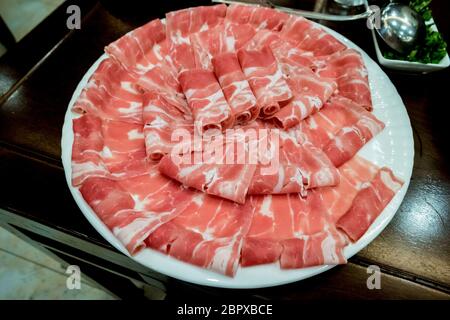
39, 75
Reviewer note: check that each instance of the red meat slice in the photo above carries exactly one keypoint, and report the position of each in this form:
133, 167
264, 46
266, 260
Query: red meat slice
223, 38
211, 175
114, 149
300, 232
259, 17
265, 79
261, 39
133, 208
349, 140
292, 230
369, 203
142, 52
182, 23
310, 94
135, 49
340, 129
353, 174
206, 100
162, 120
111, 94
300, 167
292, 59
235, 88
209, 234
310, 37
348, 70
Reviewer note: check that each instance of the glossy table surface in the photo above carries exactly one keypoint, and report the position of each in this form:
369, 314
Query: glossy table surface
39, 75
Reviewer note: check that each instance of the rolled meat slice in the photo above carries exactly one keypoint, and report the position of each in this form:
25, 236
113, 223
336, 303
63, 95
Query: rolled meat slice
266, 80
227, 37
211, 175
235, 88
300, 168
310, 94
209, 107
161, 121
182, 23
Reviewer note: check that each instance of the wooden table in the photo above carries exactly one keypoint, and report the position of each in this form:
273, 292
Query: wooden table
37, 79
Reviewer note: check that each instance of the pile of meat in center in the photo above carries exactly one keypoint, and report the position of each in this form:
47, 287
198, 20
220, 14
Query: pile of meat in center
236, 69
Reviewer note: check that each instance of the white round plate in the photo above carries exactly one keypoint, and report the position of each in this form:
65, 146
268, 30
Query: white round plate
393, 147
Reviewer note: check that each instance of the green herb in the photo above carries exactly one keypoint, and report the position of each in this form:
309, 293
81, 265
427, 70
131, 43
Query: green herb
432, 50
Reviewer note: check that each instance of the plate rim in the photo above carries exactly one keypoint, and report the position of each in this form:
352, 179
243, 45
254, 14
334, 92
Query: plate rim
210, 278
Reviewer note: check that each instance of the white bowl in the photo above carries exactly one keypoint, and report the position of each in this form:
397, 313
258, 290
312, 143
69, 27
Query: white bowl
408, 65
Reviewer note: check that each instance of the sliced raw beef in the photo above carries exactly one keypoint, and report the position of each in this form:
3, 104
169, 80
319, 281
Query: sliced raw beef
300, 232
235, 88
111, 94
259, 17
133, 208
325, 247
310, 94
308, 36
135, 49
209, 234
287, 179
353, 175
369, 203
107, 148
261, 39
206, 100
300, 167
292, 230
292, 59
223, 38
348, 70
211, 173
143, 52
316, 168
265, 79
182, 23
87, 149
348, 140
340, 128
159, 80
321, 127
162, 120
